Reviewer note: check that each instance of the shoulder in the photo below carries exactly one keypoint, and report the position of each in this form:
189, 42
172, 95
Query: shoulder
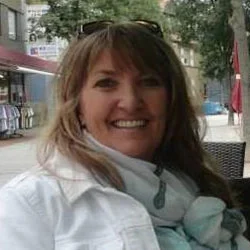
26, 213
48, 193
58, 177
29, 183
31, 190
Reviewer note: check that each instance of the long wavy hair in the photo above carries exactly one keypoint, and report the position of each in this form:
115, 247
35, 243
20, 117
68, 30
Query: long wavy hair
131, 46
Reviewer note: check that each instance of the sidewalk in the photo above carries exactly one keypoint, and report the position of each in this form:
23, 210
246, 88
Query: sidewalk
26, 135
218, 130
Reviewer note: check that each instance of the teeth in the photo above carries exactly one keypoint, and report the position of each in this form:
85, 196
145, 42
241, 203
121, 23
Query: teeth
130, 124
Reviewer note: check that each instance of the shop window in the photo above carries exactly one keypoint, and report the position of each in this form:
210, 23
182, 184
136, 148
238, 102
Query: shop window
4, 87
12, 21
17, 95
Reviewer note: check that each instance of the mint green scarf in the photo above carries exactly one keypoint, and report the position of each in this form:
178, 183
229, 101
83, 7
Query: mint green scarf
182, 219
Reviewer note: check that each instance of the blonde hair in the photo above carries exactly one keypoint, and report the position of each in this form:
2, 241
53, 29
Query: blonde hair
131, 45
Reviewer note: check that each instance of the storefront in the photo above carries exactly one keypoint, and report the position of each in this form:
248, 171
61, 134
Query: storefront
12, 87
15, 110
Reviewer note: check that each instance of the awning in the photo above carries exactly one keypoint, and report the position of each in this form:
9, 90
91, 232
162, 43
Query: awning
236, 94
236, 99
14, 60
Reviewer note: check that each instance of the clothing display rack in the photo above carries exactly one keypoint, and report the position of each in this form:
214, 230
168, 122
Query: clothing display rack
14, 118
26, 117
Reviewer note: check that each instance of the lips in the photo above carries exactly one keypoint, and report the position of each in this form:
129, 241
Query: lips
130, 123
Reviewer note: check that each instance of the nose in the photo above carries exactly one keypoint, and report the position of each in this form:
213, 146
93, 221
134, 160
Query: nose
131, 98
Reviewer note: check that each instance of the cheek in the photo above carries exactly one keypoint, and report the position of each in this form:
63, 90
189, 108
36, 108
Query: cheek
93, 109
85, 104
81, 104
161, 109
160, 104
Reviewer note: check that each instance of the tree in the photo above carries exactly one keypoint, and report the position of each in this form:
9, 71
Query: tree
206, 21
209, 22
35, 29
239, 26
65, 16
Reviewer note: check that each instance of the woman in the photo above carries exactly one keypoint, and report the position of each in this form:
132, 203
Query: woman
122, 166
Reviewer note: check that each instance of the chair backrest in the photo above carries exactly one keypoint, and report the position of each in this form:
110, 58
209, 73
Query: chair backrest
230, 157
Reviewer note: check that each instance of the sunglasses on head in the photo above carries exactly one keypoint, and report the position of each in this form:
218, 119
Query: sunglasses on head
90, 28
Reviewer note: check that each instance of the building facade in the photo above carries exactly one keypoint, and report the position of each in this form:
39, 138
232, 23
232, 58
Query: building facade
190, 58
188, 55
12, 24
11, 37
22, 77
38, 45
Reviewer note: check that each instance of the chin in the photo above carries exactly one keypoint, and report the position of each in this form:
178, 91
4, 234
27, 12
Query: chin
137, 154
138, 150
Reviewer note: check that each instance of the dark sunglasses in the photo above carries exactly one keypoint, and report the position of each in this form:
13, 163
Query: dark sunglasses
90, 28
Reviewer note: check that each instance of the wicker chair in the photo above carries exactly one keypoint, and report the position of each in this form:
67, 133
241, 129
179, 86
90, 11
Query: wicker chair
229, 156
242, 186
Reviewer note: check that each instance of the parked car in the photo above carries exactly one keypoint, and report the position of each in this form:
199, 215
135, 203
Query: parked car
212, 108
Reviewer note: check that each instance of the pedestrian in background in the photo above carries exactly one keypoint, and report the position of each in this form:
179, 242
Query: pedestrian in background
122, 166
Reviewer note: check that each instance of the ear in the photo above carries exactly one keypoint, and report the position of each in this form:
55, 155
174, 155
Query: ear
82, 121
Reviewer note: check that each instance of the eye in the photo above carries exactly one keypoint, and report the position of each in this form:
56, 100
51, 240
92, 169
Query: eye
106, 83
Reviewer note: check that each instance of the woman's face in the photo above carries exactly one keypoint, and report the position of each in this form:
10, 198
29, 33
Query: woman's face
124, 109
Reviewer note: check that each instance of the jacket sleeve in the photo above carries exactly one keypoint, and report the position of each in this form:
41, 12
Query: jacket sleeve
21, 228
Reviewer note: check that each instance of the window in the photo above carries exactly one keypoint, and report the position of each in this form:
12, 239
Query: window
12, 24
4, 87
16, 88
192, 57
193, 87
187, 56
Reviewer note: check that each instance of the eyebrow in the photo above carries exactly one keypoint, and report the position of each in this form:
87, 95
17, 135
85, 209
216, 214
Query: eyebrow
149, 76
115, 73
110, 72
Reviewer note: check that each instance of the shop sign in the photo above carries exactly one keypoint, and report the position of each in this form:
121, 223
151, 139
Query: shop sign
44, 51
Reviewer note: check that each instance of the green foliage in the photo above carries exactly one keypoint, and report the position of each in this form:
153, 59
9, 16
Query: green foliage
246, 5
206, 22
65, 16
35, 28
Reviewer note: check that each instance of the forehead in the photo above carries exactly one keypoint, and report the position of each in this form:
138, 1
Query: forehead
104, 59
109, 59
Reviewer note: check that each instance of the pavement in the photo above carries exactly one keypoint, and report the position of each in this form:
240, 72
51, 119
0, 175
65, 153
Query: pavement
19, 154
218, 130
23, 135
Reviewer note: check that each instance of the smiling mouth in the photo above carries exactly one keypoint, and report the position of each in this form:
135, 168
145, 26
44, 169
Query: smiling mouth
130, 124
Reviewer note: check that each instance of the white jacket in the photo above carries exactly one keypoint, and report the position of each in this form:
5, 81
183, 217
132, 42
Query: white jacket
41, 212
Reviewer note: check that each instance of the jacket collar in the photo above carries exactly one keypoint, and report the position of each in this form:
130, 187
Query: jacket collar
74, 179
